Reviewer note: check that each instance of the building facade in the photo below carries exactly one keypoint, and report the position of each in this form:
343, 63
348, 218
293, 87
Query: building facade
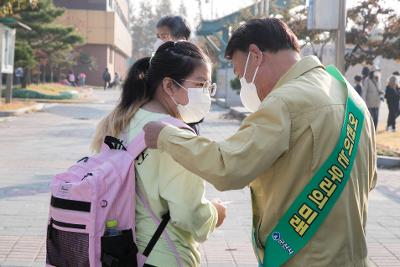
104, 25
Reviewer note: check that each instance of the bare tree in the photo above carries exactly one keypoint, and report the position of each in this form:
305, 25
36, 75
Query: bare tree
142, 28
182, 9
375, 32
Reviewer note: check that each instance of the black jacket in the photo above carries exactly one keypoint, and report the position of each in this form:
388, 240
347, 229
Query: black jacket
392, 96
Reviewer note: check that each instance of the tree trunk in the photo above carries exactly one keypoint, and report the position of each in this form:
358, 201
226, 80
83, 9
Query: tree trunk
28, 76
44, 73
24, 78
59, 73
51, 72
1, 86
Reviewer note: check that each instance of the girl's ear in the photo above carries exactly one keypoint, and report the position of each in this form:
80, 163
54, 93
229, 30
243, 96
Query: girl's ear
168, 86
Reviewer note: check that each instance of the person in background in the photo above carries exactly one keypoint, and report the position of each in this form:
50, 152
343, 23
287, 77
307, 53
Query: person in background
392, 96
174, 28
82, 79
397, 75
19, 73
71, 78
364, 73
64, 80
171, 28
358, 85
373, 95
116, 81
106, 78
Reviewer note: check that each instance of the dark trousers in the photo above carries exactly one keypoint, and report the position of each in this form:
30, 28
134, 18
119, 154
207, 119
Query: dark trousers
106, 84
375, 116
392, 117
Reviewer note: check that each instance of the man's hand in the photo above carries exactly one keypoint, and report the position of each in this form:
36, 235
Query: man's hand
152, 131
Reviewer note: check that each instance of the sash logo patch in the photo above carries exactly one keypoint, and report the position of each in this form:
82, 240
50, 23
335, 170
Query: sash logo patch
276, 236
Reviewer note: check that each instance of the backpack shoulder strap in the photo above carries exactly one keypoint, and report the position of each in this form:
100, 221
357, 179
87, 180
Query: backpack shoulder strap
177, 123
138, 145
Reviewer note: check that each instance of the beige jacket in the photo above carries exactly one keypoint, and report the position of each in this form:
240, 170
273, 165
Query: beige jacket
278, 149
372, 93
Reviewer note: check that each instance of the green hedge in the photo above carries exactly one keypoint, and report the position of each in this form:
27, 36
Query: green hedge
26, 93
235, 84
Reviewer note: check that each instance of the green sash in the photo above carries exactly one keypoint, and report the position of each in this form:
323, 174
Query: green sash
311, 207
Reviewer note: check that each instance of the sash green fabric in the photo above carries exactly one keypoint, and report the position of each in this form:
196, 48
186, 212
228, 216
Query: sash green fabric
312, 206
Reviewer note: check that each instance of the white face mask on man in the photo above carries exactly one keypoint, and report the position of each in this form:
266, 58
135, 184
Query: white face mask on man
198, 106
248, 92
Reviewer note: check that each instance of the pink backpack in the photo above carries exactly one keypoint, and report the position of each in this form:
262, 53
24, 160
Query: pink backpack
93, 191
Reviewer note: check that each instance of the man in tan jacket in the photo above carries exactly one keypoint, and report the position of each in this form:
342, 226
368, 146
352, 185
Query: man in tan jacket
298, 116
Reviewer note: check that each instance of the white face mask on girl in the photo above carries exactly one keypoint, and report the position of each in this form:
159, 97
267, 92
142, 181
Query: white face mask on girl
248, 92
198, 106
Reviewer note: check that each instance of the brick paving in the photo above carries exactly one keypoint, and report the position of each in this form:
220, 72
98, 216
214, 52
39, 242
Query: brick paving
38, 145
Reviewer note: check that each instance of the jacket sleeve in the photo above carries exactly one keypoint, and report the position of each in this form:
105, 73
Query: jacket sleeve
232, 164
185, 194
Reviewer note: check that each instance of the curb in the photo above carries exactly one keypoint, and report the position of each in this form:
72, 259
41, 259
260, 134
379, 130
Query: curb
17, 112
60, 101
386, 162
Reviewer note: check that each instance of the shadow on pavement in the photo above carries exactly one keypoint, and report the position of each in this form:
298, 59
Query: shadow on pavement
27, 189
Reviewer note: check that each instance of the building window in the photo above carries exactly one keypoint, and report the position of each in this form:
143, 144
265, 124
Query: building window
111, 56
110, 3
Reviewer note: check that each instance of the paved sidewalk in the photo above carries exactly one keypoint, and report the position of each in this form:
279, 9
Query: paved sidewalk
36, 146
230, 245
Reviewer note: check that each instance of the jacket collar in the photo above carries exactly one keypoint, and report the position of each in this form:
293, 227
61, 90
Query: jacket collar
302, 66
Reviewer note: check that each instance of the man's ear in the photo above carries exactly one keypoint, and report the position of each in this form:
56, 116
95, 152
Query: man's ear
168, 86
257, 53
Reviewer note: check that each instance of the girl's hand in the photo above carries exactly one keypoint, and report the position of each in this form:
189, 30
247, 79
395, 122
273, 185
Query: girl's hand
221, 210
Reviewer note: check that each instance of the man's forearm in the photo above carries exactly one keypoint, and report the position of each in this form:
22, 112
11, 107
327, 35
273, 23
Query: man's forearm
201, 156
